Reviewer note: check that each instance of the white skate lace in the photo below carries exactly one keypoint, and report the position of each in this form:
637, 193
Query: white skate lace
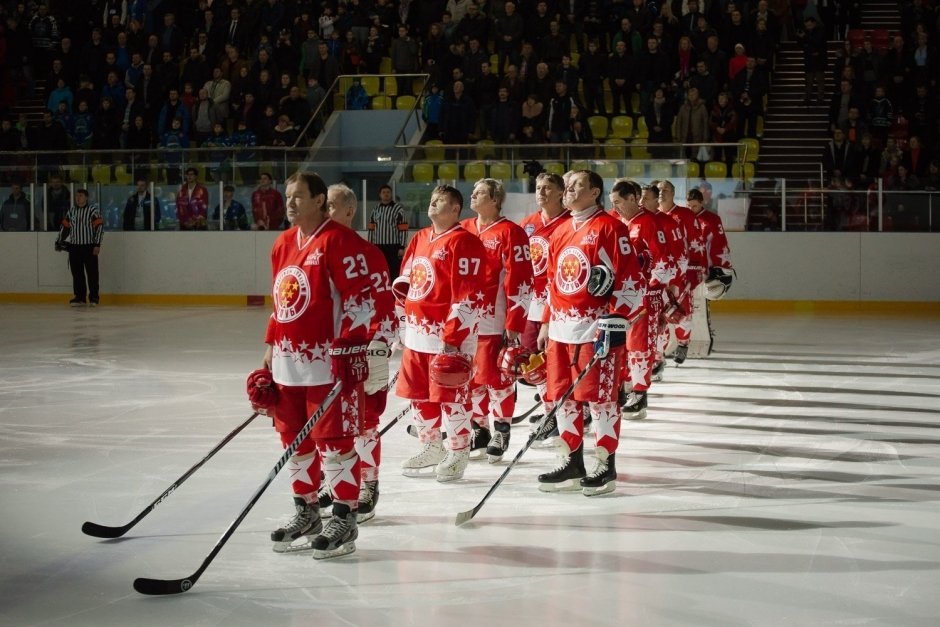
366, 492
599, 470
499, 441
546, 430
336, 529
300, 522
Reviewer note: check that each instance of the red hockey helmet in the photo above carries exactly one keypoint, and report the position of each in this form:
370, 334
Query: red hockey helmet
511, 359
451, 370
400, 287
534, 371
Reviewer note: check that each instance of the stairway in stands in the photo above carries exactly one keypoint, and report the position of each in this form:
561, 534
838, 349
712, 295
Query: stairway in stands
881, 14
32, 107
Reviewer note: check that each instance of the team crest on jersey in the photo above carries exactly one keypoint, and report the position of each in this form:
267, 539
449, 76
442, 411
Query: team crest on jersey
491, 244
313, 259
590, 239
573, 270
422, 278
439, 255
529, 229
291, 294
538, 251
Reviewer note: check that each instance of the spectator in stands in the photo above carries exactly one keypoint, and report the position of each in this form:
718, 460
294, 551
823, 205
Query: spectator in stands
81, 128
533, 113
737, 62
356, 97
58, 201
704, 82
925, 66
870, 68
505, 119
404, 55
14, 213
593, 66
235, 215
655, 69
880, 115
284, 133
267, 206
62, 115
173, 142
838, 158
516, 86
898, 70
486, 93
623, 77
141, 209
508, 31
762, 45
107, 126
723, 123
559, 114
692, 121
44, 33
375, 49
48, 136
295, 106
932, 180
171, 37
324, 66
842, 101
554, 45
172, 109
195, 69
192, 203
854, 126
903, 180
659, 116
474, 25
458, 117
716, 59
915, 157
220, 91
867, 161
579, 132
139, 135
541, 83
204, 117
61, 93
815, 58
749, 88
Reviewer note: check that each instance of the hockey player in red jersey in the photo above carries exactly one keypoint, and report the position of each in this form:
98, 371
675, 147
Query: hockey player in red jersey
717, 255
660, 270
318, 335
341, 201
508, 290
442, 281
693, 270
594, 283
539, 226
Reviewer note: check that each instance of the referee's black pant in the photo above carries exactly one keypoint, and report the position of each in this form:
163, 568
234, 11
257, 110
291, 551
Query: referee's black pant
390, 251
82, 262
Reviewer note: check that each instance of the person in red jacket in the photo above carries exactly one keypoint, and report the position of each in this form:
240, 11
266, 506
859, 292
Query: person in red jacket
192, 203
317, 336
267, 205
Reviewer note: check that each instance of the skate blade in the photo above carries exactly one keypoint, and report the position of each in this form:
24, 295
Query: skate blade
343, 549
449, 478
629, 415
361, 518
478, 454
548, 443
568, 485
610, 486
494, 459
290, 547
425, 471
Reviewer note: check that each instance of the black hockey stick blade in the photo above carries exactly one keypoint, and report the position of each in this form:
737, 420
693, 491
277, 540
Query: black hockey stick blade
517, 419
467, 516
145, 585
104, 531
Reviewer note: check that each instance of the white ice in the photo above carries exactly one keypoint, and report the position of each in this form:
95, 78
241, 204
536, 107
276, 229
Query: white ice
790, 479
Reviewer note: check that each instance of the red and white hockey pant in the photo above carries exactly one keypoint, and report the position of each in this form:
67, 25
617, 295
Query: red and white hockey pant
491, 391
432, 404
369, 444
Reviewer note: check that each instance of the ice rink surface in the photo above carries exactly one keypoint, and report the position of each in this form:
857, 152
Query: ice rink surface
790, 479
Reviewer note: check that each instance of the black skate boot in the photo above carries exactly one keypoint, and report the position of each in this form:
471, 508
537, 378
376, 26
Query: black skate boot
534, 418
339, 536
368, 499
635, 407
324, 498
499, 443
567, 475
479, 440
547, 436
305, 524
682, 351
657, 374
603, 478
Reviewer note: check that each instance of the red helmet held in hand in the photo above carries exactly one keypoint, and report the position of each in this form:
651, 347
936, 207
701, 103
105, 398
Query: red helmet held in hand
451, 370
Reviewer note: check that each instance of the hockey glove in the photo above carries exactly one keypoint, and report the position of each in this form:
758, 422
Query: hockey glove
718, 283
61, 246
349, 362
611, 333
600, 281
377, 356
674, 312
262, 393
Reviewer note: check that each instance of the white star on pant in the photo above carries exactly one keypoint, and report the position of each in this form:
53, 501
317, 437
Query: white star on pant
339, 470
366, 450
299, 468
605, 419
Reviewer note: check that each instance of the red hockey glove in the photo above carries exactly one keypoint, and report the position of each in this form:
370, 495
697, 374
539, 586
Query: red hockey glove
673, 313
349, 362
262, 392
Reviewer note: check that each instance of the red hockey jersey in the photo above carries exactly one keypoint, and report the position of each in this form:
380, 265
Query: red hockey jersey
676, 245
717, 251
694, 247
540, 232
508, 276
385, 321
649, 241
444, 302
322, 290
574, 248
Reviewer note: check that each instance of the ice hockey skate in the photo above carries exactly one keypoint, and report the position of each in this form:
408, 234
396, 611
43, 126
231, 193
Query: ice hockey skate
338, 538
682, 351
304, 525
324, 498
603, 477
547, 436
635, 406
499, 443
430, 455
368, 499
657, 374
453, 465
567, 475
479, 440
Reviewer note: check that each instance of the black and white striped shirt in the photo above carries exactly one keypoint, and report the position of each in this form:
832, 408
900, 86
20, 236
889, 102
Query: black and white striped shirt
82, 225
387, 226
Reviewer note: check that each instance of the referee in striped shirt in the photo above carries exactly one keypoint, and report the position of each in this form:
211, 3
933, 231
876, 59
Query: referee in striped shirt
81, 236
388, 229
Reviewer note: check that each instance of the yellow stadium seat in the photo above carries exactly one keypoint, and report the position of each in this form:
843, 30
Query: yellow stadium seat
635, 101
501, 170
661, 170
743, 171
555, 168
485, 149
621, 126
101, 174
474, 171
634, 169
575, 57
520, 171
422, 172
370, 84
77, 173
494, 63
339, 101
614, 148
608, 100
692, 170
607, 169
760, 126
390, 86
385, 65
580, 165
448, 172
405, 102
434, 150
716, 170
749, 149
638, 149
122, 175
417, 86
598, 124
381, 102
642, 130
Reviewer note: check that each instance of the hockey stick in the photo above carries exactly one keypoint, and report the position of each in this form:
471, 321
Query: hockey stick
394, 420
517, 419
145, 585
464, 517
104, 531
